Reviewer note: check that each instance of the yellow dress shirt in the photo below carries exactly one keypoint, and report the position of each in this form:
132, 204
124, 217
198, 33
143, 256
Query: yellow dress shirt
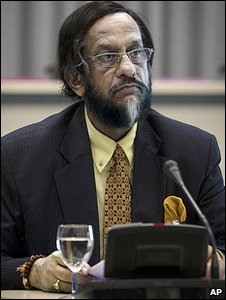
102, 148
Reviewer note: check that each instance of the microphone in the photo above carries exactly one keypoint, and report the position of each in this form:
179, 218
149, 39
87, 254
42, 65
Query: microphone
170, 167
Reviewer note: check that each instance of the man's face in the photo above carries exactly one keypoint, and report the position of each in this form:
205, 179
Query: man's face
119, 94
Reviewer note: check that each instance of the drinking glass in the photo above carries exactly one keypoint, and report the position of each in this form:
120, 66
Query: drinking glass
75, 245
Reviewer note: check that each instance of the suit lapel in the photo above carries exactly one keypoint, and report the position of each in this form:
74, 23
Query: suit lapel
150, 183
75, 182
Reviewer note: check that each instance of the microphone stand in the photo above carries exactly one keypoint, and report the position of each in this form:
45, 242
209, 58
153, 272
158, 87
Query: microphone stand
172, 170
215, 265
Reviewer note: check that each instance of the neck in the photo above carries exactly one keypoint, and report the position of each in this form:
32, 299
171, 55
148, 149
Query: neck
115, 134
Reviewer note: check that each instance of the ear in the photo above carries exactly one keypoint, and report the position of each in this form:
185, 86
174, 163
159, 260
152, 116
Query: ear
76, 84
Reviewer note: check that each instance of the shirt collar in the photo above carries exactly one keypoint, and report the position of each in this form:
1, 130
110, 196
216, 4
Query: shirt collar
102, 147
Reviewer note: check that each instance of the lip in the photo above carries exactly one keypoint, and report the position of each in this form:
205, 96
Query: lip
127, 89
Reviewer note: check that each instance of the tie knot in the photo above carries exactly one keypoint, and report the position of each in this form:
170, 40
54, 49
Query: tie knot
118, 153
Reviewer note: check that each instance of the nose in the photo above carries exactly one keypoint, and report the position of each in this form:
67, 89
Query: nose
125, 67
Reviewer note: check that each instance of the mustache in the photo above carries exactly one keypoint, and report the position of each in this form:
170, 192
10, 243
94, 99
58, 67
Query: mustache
129, 80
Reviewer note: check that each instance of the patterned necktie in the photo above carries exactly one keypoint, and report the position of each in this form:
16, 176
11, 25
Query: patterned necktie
117, 199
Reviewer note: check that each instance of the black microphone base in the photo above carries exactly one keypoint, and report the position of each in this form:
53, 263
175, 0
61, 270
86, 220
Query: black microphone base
155, 289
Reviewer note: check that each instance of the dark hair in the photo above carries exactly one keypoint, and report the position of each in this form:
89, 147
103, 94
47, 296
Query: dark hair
73, 31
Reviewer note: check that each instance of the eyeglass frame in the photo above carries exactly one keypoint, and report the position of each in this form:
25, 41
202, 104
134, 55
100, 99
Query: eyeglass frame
118, 60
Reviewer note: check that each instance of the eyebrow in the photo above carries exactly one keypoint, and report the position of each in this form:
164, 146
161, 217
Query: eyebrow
110, 47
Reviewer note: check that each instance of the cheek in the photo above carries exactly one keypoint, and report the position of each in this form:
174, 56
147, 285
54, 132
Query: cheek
102, 81
144, 76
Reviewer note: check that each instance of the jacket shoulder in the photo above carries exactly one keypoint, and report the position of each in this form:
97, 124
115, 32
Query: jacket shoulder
57, 120
164, 125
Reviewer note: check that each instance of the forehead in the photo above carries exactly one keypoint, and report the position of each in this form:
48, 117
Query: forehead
116, 28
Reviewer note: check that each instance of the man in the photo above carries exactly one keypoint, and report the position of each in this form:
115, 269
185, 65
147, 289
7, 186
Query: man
55, 171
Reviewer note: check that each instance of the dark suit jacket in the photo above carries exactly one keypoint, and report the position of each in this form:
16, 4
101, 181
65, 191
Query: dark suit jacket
48, 179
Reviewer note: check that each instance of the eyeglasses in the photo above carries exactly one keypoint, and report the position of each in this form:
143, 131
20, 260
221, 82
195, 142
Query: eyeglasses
110, 59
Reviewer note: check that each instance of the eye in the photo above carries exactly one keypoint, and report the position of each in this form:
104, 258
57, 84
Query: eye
107, 57
136, 53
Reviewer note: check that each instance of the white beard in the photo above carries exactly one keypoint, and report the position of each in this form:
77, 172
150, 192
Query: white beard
133, 110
